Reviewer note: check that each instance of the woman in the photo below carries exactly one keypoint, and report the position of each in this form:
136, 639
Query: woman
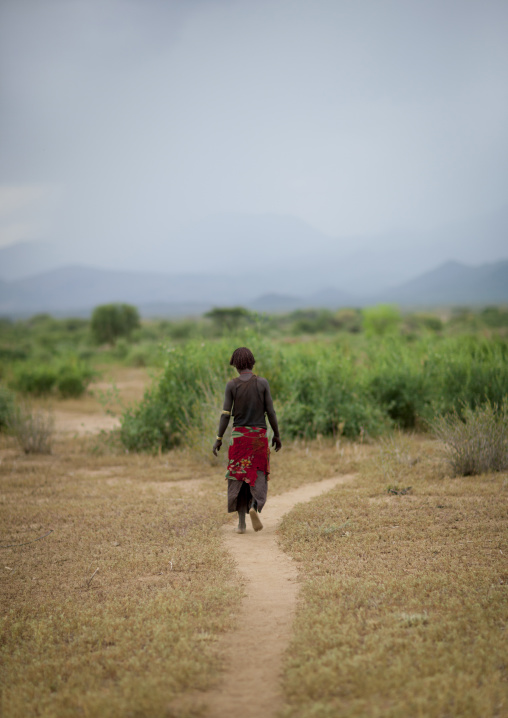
248, 398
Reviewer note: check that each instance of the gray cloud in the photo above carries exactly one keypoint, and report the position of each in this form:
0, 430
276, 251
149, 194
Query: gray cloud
358, 118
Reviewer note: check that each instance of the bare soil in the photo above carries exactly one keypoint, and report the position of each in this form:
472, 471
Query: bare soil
252, 654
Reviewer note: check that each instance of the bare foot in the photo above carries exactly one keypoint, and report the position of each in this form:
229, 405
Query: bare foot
256, 521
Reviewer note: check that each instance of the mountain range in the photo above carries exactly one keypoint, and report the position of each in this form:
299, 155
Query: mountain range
75, 290
285, 254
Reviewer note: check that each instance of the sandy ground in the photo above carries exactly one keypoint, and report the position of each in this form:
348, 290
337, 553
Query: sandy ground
86, 415
252, 655
75, 423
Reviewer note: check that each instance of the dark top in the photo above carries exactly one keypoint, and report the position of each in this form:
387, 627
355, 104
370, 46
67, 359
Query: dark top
249, 399
248, 402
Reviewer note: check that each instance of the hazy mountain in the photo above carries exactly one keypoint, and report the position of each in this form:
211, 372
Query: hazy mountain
278, 254
74, 290
290, 257
28, 258
276, 303
454, 283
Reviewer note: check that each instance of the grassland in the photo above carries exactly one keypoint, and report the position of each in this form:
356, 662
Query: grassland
403, 608
403, 604
119, 610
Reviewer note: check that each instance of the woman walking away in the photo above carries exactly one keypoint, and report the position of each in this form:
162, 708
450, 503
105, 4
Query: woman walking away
248, 398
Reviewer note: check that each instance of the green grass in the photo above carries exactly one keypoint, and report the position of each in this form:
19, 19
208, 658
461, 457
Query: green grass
353, 386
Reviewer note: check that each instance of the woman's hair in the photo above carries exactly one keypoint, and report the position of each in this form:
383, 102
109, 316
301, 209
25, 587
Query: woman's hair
242, 358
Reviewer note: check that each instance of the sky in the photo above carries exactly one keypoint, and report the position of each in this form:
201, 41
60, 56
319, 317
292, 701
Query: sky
124, 121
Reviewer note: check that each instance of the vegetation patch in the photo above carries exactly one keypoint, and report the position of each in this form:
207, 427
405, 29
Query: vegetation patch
477, 441
32, 428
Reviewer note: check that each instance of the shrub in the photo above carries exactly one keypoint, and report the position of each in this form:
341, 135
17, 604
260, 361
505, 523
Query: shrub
325, 395
8, 353
466, 371
69, 377
111, 321
400, 390
228, 319
174, 402
143, 355
353, 386
6, 407
477, 441
381, 320
73, 379
33, 429
35, 379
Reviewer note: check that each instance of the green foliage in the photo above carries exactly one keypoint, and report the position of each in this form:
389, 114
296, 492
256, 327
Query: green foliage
35, 379
111, 321
229, 319
325, 395
466, 371
476, 440
73, 379
381, 320
161, 419
397, 384
6, 407
69, 377
495, 316
355, 387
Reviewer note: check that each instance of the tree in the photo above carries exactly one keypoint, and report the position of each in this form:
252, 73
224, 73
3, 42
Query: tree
227, 319
111, 321
381, 320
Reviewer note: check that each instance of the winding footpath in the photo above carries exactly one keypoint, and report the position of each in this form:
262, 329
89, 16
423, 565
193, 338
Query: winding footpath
253, 653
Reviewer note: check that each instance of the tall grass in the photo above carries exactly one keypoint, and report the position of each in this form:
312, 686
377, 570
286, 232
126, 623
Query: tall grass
354, 386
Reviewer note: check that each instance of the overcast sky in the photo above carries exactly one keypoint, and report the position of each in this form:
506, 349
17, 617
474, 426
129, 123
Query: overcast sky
122, 120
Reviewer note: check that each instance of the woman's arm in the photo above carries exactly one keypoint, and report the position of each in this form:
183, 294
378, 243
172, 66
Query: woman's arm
224, 417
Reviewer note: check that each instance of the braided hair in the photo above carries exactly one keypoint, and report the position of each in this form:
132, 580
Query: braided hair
242, 358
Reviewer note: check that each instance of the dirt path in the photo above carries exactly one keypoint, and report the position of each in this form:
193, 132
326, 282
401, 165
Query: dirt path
253, 654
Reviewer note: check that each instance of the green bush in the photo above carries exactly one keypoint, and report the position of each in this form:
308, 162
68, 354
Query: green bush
69, 377
35, 379
143, 355
353, 386
466, 371
325, 395
190, 372
73, 379
8, 353
381, 320
6, 407
111, 321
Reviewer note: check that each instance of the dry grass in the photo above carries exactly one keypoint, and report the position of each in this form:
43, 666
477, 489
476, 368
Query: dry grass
476, 443
32, 428
143, 629
403, 609
113, 388
404, 604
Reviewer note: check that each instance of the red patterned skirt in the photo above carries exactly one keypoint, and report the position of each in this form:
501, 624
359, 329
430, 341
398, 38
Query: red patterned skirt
248, 454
